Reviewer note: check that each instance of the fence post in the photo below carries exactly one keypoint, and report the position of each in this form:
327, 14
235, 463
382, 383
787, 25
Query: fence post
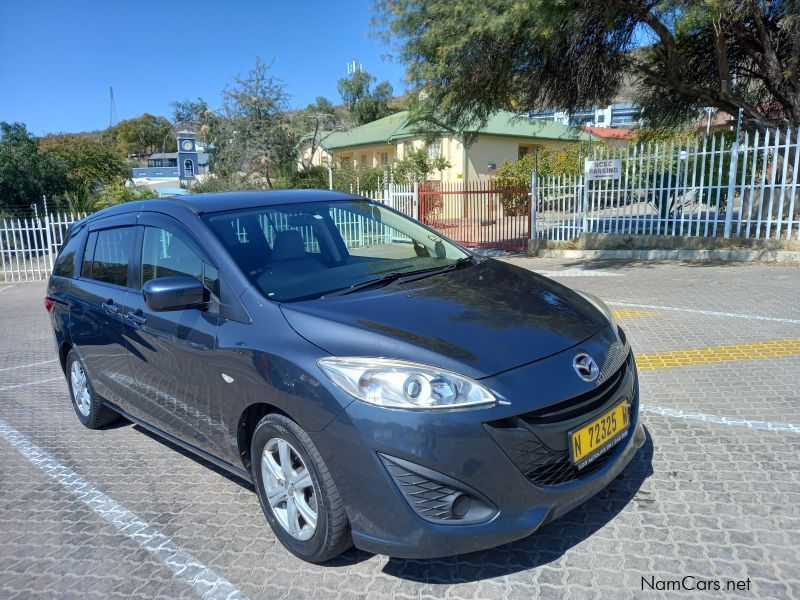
415, 201
49, 240
584, 183
731, 187
534, 202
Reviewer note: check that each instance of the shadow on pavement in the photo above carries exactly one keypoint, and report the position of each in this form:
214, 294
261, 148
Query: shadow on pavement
198, 459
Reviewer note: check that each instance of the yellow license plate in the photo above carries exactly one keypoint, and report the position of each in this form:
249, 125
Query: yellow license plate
596, 437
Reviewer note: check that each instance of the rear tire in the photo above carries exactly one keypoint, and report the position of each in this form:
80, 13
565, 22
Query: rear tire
88, 405
297, 493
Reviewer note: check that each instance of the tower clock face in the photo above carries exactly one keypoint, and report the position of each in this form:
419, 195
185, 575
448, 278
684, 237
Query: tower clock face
187, 145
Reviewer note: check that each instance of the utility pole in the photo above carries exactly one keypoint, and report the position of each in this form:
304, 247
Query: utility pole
112, 107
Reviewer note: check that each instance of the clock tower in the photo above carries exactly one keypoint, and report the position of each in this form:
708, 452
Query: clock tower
187, 156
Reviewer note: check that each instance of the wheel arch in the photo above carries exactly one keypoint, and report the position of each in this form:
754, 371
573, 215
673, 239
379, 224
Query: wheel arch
248, 421
63, 351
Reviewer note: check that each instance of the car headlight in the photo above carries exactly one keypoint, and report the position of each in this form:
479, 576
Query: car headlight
601, 306
400, 384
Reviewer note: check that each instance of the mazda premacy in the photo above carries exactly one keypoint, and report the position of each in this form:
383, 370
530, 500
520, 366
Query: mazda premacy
378, 384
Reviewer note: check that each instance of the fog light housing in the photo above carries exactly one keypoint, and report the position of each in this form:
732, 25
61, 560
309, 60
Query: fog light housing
436, 497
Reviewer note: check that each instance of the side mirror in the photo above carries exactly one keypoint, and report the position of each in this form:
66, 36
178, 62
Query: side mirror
175, 293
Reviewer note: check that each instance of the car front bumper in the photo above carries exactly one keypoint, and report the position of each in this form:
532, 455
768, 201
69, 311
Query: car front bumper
396, 470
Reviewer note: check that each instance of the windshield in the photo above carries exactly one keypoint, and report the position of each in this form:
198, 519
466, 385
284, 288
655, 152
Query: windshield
300, 251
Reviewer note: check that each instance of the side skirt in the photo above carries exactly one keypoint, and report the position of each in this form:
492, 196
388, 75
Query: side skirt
233, 469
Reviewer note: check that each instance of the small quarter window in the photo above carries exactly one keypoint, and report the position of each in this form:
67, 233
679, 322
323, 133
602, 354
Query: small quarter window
65, 263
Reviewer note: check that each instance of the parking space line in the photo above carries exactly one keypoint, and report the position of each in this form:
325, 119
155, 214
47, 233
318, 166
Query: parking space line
627, 313
711, 313
578, 273
36, 364
37, 382
204, 580
6, 288
715, 354
719, 419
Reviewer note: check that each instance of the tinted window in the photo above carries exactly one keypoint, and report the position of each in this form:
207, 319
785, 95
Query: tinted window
165, 255
65, 263
112, 254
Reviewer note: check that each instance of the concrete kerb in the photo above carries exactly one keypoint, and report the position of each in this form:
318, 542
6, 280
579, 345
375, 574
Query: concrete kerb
651, 247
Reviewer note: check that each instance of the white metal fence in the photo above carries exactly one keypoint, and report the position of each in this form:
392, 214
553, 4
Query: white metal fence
28, 247
401, 197
707, 187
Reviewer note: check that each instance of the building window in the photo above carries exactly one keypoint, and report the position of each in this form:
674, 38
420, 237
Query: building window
435, 149
523, 151
384, 158
188, 168
363, 160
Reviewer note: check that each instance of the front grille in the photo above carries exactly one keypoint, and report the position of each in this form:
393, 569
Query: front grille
428, 498
543, 465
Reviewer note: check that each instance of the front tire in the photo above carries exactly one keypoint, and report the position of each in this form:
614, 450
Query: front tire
88, 405
296, 491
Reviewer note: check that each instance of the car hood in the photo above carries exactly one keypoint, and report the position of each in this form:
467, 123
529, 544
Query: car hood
478, 320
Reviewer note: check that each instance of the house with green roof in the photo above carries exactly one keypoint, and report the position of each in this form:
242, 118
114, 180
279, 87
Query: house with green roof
505, 137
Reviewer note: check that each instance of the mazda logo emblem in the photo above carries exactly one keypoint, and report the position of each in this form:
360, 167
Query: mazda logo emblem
585, 367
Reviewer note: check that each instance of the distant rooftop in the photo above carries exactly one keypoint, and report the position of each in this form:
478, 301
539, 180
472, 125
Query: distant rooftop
399, 126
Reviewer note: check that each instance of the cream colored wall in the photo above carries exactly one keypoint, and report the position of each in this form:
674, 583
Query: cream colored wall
484, 150
320, 157
452, 151
488, 149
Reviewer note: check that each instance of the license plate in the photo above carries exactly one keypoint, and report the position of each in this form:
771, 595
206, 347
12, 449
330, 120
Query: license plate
598, 436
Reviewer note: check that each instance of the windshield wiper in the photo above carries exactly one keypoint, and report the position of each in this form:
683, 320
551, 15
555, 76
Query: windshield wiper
384, 280
436, 270
397, 276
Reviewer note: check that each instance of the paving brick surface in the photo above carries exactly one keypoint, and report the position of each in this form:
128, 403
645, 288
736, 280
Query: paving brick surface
712, 500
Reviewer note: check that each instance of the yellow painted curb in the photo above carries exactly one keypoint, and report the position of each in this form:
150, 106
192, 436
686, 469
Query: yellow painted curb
714, 354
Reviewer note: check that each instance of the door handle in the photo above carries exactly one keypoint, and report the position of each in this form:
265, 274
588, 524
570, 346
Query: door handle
136, 318
110, 307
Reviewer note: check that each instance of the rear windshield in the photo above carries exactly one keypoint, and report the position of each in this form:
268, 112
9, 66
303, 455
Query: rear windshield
301, 251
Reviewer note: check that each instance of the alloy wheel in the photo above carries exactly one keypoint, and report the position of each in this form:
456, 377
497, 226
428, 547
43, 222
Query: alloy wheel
80, 388
289, 488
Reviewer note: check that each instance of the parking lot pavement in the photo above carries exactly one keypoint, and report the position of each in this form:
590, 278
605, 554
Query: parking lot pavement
713, 494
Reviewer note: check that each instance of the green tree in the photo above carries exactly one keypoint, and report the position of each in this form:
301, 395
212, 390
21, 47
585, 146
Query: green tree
473, 58
90, 161
252, 133
26, 174
365, 102
314, 123
417, 166
142, 136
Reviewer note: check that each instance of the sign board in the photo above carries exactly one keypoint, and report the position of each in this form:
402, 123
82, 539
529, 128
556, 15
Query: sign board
603, 169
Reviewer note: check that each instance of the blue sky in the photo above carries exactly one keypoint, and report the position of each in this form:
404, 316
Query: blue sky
58, 58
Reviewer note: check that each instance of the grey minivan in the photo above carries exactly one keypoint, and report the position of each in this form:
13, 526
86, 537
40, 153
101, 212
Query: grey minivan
379, 384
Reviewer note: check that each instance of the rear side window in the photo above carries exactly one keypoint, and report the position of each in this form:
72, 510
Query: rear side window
65, 263
112, 254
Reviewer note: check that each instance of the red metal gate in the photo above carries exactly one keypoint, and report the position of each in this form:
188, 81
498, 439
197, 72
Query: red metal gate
477, 214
